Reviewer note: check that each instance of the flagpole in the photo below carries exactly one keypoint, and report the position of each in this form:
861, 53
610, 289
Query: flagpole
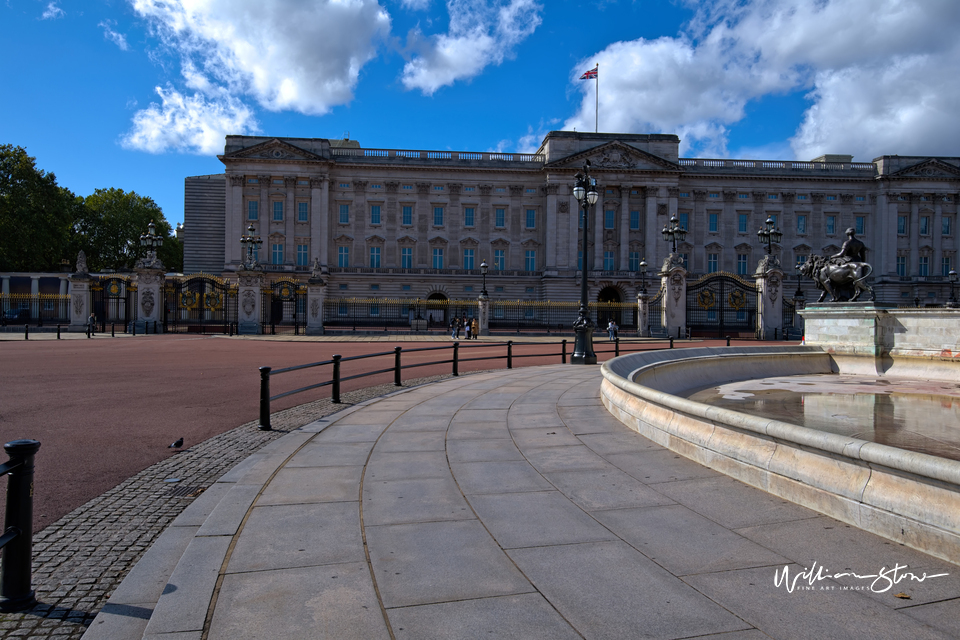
596, 110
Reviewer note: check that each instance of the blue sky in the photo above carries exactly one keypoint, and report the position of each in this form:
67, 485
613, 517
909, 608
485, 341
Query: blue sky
138, 94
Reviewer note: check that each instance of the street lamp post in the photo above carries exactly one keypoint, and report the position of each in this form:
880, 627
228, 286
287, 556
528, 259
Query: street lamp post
252, 243
585, 191
151, 242
953, 297
770, 234
483, 272
674, 233
643, 277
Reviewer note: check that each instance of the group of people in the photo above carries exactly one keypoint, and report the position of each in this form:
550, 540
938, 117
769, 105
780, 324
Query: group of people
471, 328
612, 329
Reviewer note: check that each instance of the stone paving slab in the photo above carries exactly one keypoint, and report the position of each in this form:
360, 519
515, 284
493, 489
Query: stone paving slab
446, 525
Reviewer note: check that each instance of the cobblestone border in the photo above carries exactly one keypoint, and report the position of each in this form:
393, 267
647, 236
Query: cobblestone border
81, 558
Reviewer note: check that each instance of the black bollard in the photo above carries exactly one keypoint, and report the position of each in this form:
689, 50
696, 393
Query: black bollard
26, 332
16, 593
336, 379
265, 399
58, 332
396, 366
456, 358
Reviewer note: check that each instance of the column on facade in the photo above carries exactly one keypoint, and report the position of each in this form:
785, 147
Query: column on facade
573, 226
360, 225
454, 224
515, 225
391, 225
290, 220
651, 227
598, 212
551, 227
886, 215
263, 218
698, 229
789, 230
730, 221
234, 225
485, 213
935, 268
320, 219
423, 220
624, 226
914, 234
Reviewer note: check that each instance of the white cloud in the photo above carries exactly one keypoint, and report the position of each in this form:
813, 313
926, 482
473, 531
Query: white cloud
415, 5
191, 124
481, 33
286, 54
52, 12
878, 72
116, 38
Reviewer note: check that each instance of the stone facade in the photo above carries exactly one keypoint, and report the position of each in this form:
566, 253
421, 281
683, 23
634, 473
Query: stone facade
407, 223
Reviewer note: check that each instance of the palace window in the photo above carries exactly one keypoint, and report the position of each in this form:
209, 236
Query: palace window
344, 214
608, 261
374, 287
801, 224
683, 256
374, 257
945, 266
743, 196
276, 253
406, 214
609, 219
902, 225
374, 310
801, 197
831, 197
773, 196
468, 258
531, 218
303, 255
713, 195
344, 185
831, 225
406, 258
303, 212
407, 187
499, 260
713, 261
469, 188
634, 221
924, 225
530, 260
500, 218
742, 221
945, 229
901, 266
579, 260
859, 223
438, 187
438, 216
924, 266
375, 214
714, 222
634, 258
741, 264
277, 211
468, 217
253, 210
343, 257
684, 194
861, 198
684, 219
438, 258
531, 191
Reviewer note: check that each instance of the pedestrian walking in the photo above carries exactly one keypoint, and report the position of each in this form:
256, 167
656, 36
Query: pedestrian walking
611, 329
476, 328
469, 329
453, 329
91, 326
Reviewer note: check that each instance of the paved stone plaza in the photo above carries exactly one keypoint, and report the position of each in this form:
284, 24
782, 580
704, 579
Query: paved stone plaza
510, 504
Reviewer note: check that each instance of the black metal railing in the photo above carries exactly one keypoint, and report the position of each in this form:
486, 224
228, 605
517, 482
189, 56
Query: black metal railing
16, 541
336, 376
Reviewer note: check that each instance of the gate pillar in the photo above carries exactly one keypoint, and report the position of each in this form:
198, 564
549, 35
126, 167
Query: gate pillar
316, 295
81, 297
150, 303
674, 281
643, 315
249, 301
769, 280
483, 313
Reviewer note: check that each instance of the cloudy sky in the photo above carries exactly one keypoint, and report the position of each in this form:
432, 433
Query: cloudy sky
138, 94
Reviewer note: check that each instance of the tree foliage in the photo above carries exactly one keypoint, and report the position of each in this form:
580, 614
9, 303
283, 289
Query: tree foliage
42, 223
36, 215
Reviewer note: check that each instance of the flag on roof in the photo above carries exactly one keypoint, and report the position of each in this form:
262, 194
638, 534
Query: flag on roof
591, 74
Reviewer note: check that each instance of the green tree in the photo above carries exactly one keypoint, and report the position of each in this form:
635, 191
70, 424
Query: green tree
111, 226
36, 215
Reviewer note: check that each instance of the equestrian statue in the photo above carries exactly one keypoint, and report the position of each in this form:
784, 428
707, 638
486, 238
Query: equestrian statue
841, 275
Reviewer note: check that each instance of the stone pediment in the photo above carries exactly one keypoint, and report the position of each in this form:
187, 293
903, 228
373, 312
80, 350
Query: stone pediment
469, 242
616, 156
375, 239
274, 150
802, 248
831, 249
342, 238
530, 242
929, 169
438, 240
714, 246
743, 248
500, 242
406, 240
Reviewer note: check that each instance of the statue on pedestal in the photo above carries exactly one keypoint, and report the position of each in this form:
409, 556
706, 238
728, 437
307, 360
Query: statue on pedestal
841, 275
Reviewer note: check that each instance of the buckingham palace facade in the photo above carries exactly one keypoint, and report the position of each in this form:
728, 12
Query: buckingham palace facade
417, 224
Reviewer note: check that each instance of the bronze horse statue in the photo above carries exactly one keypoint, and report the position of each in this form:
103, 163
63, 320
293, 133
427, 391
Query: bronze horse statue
841, 281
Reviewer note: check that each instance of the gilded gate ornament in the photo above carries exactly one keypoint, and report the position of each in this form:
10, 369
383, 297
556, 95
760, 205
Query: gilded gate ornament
189, 299
212, 300
706, 299
737, 299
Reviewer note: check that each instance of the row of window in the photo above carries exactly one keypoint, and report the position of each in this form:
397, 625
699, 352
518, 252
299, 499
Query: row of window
406, 258
923, 266
439, 216
770, 196
253, 211
743, 222
946, 225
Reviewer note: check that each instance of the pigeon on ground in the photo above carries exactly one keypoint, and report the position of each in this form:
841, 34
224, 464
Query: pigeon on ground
177, 444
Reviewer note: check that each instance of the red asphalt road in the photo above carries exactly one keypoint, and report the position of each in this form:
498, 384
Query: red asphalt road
105, 409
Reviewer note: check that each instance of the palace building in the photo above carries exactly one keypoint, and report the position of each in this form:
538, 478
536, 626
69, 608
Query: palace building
416, 224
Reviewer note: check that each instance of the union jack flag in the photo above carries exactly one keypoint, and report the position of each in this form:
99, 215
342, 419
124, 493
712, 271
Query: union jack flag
590, 75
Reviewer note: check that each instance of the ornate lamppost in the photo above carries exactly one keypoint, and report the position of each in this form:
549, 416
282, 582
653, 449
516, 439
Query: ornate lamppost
643, 277
953, 298
252, 243
483, 272
151, 242
673, 233
769, 234
585, 191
